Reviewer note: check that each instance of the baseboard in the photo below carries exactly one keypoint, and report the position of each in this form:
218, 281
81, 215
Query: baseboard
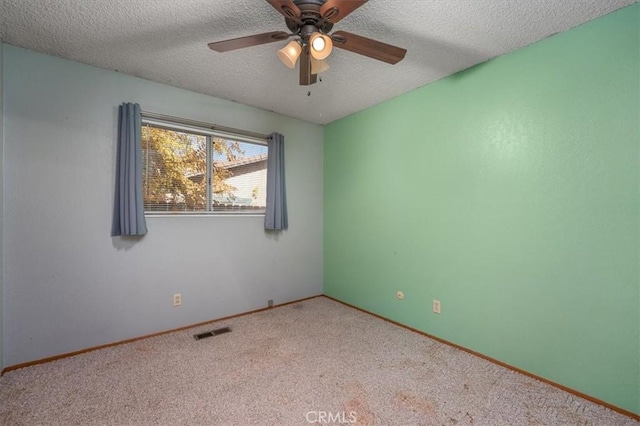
500, 363
462, 348
134, 339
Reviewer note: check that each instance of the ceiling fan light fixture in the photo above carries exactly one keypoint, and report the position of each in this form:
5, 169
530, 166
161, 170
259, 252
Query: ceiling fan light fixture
318, 44
310, 22
318, 66
290, 53
321, 45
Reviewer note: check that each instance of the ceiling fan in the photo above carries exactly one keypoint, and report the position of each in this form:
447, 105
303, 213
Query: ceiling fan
310, 21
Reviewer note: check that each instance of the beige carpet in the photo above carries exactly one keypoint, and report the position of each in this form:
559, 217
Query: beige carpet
316, 361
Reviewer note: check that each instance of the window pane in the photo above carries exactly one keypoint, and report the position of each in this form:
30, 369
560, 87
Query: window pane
239, 176
174, 171
185, 171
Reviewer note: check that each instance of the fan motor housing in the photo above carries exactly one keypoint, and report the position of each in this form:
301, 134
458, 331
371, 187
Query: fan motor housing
302, 3
310, 15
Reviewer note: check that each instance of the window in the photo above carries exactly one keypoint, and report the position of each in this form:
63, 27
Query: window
187, 170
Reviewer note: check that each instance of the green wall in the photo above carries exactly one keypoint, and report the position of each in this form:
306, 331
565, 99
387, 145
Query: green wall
510, 192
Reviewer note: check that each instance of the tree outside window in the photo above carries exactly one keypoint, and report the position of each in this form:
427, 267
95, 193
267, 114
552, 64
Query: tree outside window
178, 179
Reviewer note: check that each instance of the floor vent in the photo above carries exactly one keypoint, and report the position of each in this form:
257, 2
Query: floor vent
211, 333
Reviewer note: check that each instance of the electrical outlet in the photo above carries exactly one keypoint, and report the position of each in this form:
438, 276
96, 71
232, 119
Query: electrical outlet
400, 295
436, 306
177, 299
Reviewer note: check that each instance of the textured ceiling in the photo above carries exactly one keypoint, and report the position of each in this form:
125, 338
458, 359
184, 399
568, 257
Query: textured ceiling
166, 41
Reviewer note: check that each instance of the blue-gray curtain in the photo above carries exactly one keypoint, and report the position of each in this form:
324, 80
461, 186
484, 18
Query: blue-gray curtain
128, 211
275, 217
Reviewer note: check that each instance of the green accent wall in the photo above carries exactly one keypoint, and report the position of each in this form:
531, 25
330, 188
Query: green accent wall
509, 192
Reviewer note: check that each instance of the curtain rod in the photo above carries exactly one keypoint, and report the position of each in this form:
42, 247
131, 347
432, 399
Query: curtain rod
203, 125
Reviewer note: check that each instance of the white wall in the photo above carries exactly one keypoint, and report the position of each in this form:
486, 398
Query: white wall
1, 200
68, 284
245, 185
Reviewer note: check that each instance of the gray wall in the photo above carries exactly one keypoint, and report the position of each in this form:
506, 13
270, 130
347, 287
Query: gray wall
68, 284
1, 209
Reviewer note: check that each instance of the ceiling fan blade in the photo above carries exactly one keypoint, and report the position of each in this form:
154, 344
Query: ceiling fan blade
368, 47
335, 10
286, 8
306, 78
253, 40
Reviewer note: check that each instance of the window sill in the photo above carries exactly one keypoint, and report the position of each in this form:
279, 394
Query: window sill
147, 216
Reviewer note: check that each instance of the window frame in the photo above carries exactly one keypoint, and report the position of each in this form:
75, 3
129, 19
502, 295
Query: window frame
209, 131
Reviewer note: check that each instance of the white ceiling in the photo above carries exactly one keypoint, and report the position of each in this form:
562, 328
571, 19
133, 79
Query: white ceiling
166, 41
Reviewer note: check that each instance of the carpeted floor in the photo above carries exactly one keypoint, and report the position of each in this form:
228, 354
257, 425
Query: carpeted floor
316, 361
